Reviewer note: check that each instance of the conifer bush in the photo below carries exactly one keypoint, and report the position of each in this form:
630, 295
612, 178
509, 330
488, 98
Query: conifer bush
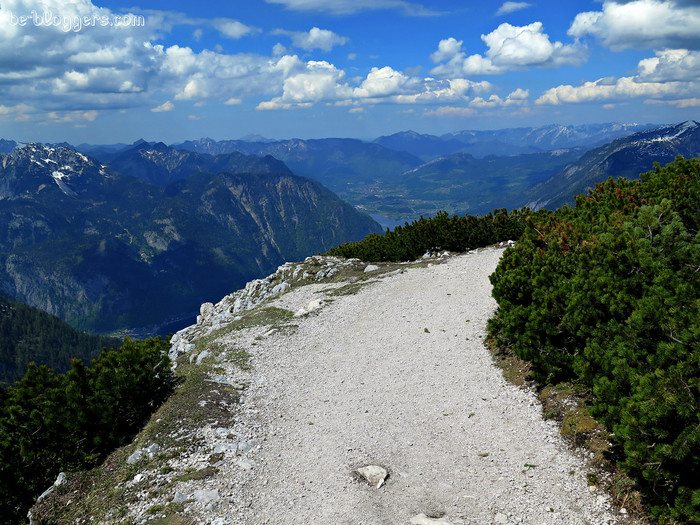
51, 423
441, 232
607, 294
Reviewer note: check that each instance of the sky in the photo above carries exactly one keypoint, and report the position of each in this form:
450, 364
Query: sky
108, 71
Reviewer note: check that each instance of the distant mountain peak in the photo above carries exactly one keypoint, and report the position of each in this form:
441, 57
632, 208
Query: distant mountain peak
31, 168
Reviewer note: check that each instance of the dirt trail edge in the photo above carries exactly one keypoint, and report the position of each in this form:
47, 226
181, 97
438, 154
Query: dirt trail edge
397, 375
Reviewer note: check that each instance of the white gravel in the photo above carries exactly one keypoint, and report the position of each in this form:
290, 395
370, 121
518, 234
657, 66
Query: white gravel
397, 375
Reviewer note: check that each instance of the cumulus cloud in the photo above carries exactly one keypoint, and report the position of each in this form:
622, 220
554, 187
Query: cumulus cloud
509, 48
231, 28
516, 98
322, 81
510, 7
641, 24
47, 72
670, 64
164, 107
623, 88
671, 75
347, 7
315, 38
61, 67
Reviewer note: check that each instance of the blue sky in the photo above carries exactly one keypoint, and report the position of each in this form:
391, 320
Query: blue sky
106, 71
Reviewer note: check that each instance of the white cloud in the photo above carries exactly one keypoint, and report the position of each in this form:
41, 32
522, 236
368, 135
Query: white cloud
74, 76
233, 28
383, 82
624, 88
72, 116
323, 82
278, 50
510, 7
641, 24
315, 38
509, 48
516, 98
670, 75
451, 111
164, 107
679, 103
346, 7
671, 64
447, 50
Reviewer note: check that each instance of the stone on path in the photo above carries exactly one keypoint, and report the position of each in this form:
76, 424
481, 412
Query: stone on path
375, 475
422, 519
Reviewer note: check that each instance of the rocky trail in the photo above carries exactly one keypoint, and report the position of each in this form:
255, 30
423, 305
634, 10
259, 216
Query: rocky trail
391, 372
397, 376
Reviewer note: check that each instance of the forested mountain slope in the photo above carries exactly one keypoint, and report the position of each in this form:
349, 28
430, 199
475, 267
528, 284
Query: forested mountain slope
29, 334
107, 251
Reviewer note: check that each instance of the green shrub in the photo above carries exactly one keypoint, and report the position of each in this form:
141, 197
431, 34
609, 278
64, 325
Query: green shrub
441, 232
608, 294
50, 423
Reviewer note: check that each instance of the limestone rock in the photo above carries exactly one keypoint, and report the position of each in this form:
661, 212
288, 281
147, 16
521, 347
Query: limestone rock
422, 519
205, 496
374, 474
140, 453
60, 480
371, 268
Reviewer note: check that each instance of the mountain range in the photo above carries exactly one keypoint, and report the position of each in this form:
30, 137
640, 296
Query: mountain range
508, 141
139, 235
624, 157
107, 251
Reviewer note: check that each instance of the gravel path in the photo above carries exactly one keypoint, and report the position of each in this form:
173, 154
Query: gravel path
397, 375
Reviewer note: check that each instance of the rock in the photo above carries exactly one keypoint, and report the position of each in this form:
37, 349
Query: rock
135, 457
179, 497
138, 454
201, 357
374, 474
422, 519
246, 446
205, 312
246, 464
60, 480
501, 518
205, 496
371, 268
313, 305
